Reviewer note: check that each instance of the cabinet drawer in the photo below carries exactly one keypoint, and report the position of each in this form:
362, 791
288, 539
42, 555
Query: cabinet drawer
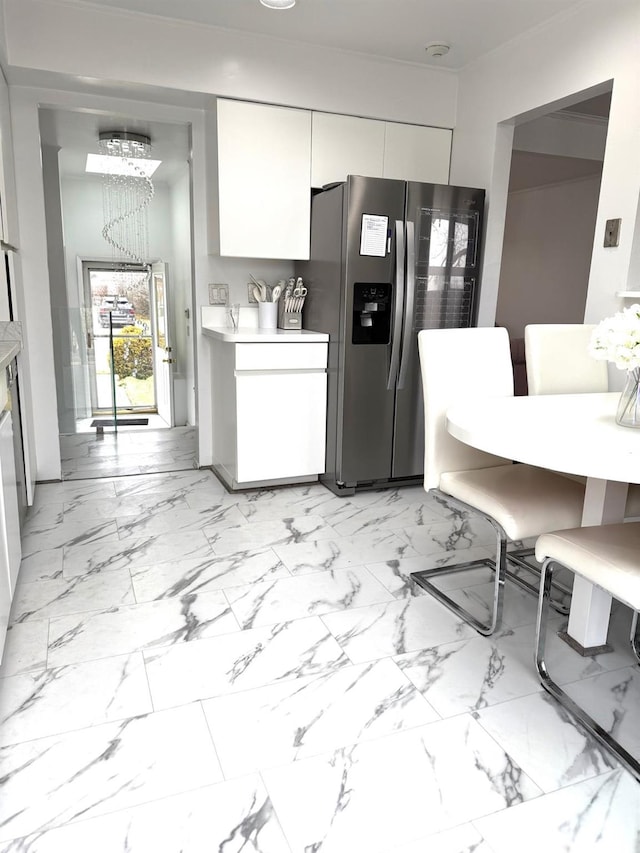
281, 356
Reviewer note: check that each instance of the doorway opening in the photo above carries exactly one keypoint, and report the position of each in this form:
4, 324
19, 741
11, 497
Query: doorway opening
554, 185
124, 349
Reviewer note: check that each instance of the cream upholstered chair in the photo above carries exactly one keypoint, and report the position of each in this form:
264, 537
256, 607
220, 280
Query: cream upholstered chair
520, 501
606, 555
558, 362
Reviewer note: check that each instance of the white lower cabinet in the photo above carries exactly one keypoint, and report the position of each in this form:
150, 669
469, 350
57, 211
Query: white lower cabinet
269, 411
281, 424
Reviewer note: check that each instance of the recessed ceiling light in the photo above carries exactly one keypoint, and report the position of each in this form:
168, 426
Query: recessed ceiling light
437, 49
278, 4
106, 164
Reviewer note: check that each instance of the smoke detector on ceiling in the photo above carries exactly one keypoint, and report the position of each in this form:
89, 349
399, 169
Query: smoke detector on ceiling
437, 49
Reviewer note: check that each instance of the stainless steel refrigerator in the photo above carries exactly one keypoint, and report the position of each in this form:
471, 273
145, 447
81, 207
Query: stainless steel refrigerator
388, 258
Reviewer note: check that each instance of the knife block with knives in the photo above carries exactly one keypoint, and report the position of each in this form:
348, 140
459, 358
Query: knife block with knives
290, 304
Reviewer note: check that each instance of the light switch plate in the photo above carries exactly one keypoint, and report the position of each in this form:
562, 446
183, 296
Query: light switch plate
218, 294
612, 233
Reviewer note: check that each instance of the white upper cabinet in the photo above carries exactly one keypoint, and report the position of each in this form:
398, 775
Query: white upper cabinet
264, 159
415, 153
268, 158
345, 145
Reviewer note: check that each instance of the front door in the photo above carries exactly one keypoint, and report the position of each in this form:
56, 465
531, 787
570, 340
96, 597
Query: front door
119, 338
162, 352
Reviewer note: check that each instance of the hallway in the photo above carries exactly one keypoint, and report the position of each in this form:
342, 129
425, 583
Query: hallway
142, 450
192, 670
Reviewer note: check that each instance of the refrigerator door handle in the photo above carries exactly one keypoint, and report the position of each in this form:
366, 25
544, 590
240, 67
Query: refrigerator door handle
399, 305
407, 333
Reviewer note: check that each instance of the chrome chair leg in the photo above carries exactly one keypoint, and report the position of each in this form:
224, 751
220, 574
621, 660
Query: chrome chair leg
518, 558
499, 569
595, 729
500, 566
635, 635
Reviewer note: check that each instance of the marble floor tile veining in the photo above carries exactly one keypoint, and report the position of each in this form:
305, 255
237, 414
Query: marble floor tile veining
133, 450
189, 669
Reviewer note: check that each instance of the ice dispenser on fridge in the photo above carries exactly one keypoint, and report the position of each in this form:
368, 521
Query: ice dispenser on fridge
371, 313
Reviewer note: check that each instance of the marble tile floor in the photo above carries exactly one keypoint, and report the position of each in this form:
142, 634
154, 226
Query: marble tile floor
134, 450
192, 670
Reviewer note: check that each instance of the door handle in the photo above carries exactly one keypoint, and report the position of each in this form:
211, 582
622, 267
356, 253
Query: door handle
398, 302
407, 332
168, 360
89, 343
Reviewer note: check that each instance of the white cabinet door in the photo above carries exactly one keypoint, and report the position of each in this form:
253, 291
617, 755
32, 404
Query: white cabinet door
264, 161
345, 145
414, 153
281, 424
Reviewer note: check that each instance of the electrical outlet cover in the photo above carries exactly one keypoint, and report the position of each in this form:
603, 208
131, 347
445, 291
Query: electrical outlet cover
612, 233
218, 294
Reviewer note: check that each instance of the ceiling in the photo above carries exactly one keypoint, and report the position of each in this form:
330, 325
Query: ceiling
397, 29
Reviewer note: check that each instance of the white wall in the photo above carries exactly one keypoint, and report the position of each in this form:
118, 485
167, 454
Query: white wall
547, 254
62, 331
578, 53
116, 45
35, 309
180, 290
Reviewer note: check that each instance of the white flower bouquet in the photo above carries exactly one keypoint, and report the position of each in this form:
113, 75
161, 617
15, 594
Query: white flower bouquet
617, 339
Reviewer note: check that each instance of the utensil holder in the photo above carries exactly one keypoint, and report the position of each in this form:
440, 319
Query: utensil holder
267, 315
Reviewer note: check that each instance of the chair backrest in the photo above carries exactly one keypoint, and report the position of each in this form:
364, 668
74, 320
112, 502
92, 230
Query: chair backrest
460, 365
558, 360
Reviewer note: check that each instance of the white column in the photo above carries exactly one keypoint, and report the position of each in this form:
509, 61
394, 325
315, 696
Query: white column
604, 503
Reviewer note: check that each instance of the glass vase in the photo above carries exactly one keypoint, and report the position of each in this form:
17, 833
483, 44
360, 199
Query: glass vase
628, 413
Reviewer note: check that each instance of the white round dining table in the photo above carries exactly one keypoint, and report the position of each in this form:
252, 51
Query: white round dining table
574, 434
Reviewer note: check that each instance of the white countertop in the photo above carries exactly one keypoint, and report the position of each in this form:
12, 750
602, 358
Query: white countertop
250, 335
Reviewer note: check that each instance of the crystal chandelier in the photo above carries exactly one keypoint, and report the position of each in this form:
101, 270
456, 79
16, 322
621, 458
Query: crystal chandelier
127, 192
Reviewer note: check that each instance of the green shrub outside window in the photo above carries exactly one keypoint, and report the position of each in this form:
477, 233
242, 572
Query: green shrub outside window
132, 354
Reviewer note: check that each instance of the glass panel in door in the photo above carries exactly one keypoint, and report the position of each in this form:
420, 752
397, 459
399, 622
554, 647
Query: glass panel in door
119, 304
